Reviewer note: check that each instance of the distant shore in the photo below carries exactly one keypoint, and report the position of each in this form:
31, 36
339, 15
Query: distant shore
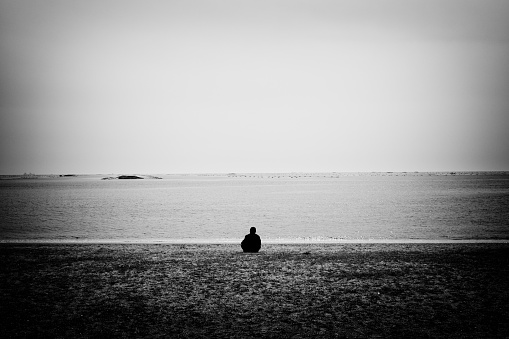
361, 290
260, 175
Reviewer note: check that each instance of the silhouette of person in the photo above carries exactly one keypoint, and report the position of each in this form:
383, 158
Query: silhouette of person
252, 242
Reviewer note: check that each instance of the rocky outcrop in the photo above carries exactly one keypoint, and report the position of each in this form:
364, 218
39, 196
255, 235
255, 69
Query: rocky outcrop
123, 177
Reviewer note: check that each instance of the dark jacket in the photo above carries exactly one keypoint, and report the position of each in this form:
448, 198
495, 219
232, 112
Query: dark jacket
251, 243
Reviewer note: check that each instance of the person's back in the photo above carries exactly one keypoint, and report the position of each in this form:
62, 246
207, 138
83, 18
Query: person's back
252, 242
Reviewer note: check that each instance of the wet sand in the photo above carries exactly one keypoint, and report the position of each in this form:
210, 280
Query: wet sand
285, 291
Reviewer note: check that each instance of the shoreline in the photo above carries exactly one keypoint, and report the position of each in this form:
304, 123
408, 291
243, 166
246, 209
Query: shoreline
267, 241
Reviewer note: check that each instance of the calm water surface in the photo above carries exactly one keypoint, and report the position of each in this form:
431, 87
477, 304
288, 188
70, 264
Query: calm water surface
282, 207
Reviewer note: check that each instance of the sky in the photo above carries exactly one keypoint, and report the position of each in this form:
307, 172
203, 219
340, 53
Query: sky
218, 86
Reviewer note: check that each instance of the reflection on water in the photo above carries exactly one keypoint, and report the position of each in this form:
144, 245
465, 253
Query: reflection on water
281, 207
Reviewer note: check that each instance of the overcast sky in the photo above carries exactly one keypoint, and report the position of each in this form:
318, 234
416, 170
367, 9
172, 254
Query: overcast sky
101, 86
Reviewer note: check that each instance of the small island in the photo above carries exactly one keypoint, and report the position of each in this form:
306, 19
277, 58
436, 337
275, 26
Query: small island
123, 177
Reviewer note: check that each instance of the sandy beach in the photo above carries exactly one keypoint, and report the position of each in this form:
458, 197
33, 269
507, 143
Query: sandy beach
285, 291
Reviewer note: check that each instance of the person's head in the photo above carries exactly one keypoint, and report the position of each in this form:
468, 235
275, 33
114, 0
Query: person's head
252, 230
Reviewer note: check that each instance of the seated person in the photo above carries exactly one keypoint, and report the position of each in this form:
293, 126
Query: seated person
251, 242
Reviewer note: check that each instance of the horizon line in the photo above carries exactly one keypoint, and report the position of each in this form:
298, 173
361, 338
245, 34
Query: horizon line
232, 172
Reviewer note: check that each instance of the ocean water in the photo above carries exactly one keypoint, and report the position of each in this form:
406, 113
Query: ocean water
283, 207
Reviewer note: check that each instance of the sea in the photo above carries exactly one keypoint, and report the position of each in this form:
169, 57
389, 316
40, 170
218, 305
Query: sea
284, 207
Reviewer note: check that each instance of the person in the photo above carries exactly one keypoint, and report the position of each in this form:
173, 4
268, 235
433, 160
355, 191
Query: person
252, 242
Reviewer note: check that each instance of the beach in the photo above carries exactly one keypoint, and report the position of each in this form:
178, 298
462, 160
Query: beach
374, 290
